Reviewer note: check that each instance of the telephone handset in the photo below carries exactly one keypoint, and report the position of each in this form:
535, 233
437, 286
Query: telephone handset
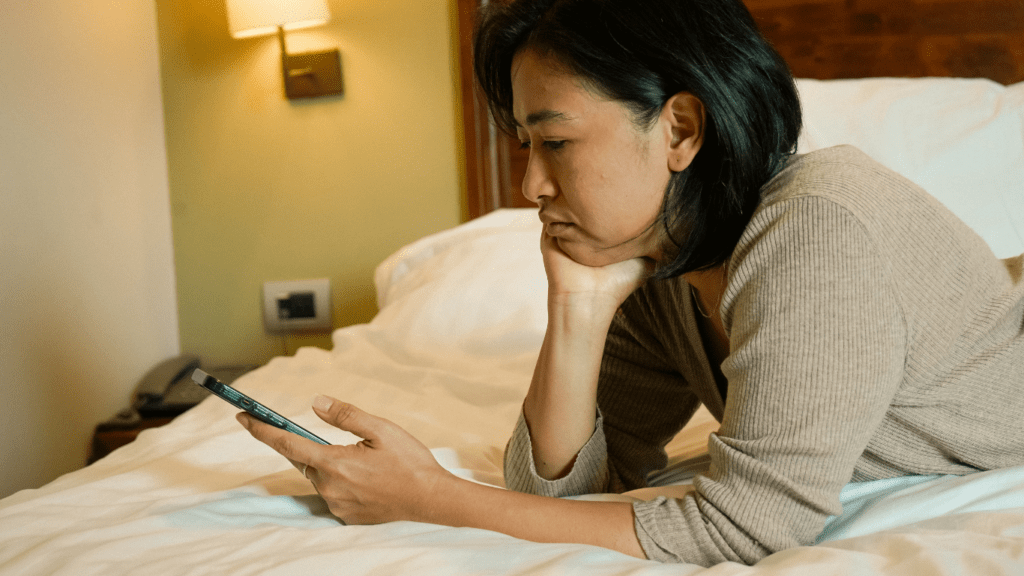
167, 389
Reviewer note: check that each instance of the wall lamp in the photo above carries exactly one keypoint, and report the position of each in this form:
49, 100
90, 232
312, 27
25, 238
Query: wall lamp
305, 75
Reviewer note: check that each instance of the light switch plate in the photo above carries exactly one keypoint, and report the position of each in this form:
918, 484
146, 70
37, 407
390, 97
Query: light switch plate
275, 320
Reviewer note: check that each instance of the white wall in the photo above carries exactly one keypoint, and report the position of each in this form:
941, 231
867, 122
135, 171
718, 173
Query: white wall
87, 297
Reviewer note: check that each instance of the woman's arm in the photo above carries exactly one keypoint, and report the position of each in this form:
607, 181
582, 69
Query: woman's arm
561, 405
540, 518
643, 402
391, 476
560, 408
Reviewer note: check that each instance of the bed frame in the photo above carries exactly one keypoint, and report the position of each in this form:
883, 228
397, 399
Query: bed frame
824, 39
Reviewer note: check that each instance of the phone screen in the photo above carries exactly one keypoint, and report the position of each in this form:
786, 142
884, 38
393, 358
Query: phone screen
239, 400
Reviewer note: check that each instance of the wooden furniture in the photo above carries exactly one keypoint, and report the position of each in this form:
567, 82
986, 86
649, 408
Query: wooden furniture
110, 436
824, 39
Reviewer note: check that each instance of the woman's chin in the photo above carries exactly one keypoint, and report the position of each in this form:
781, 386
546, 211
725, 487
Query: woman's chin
594, 257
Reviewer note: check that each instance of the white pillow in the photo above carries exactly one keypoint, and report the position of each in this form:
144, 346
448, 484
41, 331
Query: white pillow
962, 140
477, 289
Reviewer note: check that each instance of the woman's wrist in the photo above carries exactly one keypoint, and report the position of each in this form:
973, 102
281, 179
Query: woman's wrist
583, 313
431, 505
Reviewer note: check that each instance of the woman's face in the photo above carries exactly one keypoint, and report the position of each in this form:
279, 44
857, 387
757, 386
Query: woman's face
598, 178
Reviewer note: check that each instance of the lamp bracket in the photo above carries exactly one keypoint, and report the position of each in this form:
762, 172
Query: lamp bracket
310, 74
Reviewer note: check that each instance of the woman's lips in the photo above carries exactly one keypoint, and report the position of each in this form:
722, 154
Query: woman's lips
557, 228
553, 226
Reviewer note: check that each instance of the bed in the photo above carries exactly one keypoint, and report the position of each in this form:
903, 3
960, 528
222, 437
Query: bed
449, 357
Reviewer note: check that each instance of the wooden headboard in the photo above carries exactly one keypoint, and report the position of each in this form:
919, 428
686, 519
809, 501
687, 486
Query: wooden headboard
822, 39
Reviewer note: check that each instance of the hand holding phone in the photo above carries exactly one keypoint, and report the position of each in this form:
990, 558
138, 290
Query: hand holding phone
261, 412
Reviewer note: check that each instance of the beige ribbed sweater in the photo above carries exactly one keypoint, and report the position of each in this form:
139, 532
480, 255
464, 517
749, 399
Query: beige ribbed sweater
872, 334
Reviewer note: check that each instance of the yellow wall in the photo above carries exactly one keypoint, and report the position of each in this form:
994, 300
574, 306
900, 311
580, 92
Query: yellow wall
267, 189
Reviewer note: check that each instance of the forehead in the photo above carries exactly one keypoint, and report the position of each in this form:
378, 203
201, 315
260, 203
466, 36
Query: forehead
544, 91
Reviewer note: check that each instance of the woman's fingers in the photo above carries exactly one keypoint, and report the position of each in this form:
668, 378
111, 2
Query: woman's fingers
347, 417
295, 448
385, 477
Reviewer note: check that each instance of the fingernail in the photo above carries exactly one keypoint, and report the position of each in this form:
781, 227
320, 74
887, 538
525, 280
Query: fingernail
243, 419
322, 403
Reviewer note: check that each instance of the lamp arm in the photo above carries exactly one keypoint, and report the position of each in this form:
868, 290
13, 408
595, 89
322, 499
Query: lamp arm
284, 50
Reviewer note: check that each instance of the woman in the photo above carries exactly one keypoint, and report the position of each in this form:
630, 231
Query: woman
839, 322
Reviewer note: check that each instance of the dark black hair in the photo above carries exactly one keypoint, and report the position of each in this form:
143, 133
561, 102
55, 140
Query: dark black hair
641, 53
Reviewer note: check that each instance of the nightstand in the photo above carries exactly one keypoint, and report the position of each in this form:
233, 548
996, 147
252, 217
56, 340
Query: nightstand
149, 411
120, 430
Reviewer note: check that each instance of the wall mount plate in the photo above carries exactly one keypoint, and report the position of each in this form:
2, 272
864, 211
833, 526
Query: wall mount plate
312, 74
297, 306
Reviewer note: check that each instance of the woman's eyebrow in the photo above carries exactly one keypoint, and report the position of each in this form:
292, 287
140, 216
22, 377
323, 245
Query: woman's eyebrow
545, 116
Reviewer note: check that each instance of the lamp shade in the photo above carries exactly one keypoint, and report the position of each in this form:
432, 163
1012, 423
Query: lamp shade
248, 18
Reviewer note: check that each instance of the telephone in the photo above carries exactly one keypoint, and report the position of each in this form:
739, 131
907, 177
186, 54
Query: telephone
164, 392
167, 389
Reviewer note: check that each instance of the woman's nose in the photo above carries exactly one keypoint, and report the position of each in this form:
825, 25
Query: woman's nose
537, 182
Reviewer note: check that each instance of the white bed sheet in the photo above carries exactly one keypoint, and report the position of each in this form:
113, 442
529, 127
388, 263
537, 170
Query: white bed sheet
449, 358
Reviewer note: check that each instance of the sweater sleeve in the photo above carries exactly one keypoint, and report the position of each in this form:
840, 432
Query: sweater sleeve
817, 349
589, 473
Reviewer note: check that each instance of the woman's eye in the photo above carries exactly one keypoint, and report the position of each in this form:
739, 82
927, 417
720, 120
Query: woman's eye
549, 144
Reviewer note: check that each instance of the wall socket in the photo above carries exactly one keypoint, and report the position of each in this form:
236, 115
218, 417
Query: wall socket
297, 305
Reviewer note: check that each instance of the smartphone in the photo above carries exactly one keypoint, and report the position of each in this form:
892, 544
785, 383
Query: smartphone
239, 400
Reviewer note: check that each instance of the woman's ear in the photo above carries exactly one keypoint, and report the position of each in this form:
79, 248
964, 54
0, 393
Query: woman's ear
684, 113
